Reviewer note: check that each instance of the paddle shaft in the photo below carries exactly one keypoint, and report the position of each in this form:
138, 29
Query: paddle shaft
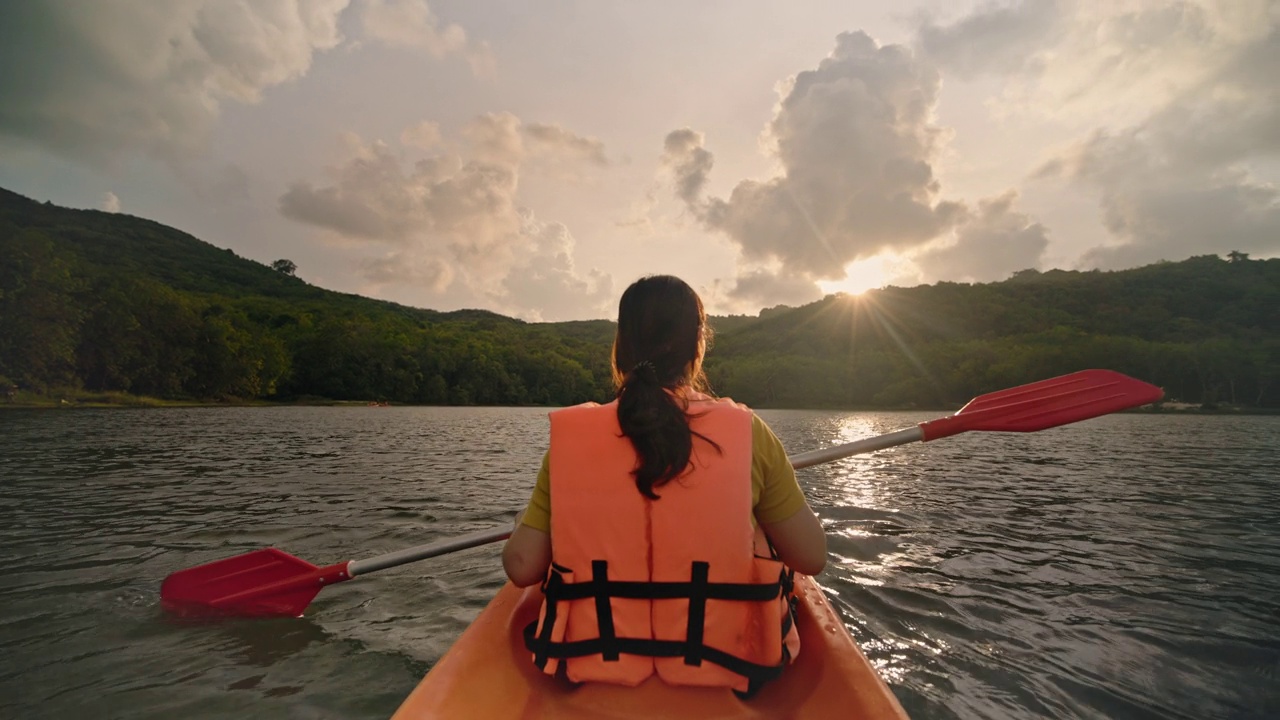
485, 537
272, 582
857, 447
1026, 408
422, 552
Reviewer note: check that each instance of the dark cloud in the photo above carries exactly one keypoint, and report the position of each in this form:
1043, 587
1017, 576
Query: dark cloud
92, 80
689, 162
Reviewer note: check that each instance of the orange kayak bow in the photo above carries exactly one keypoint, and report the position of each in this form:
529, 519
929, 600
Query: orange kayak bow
489, 674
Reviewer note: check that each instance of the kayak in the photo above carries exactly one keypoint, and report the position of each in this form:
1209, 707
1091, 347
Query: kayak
488, 673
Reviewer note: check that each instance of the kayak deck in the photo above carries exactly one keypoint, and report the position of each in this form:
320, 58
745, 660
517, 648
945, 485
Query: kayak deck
488, 673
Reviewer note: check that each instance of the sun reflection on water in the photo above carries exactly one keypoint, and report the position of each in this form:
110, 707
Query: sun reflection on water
858, 499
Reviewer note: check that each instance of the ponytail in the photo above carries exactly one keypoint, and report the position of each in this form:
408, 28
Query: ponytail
660, 342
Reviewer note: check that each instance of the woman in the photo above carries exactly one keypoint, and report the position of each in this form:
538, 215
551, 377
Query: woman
649, 519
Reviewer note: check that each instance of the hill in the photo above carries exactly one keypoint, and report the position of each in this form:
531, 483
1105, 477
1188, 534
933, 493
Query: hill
106, 302
1206, 329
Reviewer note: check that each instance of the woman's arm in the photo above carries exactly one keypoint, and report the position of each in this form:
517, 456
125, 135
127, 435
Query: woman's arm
527, 555
781, 509
800, 541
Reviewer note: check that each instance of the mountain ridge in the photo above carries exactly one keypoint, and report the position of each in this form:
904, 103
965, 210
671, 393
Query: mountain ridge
111, 302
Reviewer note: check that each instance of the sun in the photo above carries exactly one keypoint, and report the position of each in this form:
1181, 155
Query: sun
862, 275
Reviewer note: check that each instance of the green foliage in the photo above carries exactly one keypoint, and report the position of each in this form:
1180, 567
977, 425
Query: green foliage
110, 306
1206, 329
40, 317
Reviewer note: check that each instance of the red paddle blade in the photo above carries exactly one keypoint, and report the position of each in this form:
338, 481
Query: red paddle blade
1047, 403
261, 583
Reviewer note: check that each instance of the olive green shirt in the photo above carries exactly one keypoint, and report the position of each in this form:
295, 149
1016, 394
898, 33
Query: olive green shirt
775, 494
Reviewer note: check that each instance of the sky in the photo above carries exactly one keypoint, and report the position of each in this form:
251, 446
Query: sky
535, 158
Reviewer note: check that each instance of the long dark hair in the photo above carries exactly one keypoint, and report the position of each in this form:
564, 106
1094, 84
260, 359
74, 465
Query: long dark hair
662, 336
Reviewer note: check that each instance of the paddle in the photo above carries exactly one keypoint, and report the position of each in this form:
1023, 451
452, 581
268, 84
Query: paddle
270, 582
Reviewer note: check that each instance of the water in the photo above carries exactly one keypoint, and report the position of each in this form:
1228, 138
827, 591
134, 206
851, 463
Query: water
1126, 567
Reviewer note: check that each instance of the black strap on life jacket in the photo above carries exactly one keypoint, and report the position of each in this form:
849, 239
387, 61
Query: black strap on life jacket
697, 590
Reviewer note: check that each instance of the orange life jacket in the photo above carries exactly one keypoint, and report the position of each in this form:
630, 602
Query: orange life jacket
685, 586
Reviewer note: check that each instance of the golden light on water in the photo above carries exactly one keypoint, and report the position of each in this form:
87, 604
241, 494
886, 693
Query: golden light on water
868, 549
855, 483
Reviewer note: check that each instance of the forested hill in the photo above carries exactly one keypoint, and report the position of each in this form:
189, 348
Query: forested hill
106, 302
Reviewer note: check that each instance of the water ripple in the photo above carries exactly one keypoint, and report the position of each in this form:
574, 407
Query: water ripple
1128, 567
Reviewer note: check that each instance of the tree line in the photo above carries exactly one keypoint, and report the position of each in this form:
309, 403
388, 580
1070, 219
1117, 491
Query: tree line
101, 302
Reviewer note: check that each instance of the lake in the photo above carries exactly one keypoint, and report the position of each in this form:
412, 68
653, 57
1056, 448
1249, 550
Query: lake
1124, 567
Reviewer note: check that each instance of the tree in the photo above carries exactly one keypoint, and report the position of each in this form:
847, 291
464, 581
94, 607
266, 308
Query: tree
288, 267
40, 315
1236, 256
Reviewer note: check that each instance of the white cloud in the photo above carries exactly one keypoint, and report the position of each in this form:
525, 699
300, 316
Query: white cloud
556, 140
995, 38
453, 219
401, 268
502, 138
1160, 204
762, 287
496, 138
1175, 103
412, 24
424, 135
1179, 179
1088, 60
98, 79
549, 275
855, 142
109, 203
988, 246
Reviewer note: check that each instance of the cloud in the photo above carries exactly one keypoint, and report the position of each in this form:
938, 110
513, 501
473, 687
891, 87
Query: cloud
496, 138
1001, 38
756, 288
399, 268
1163, 201
502, 138
1084, 60
453, 219
855, 143
548, 276
1175, 104
98, 79
412, 24
689, 162
559, 141
424, 136
988, 246
1181, 179
370, 197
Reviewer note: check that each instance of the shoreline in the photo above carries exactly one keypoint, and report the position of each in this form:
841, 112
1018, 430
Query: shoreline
124, 401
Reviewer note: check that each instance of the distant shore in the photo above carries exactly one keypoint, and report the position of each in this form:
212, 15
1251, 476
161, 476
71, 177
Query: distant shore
84, 399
